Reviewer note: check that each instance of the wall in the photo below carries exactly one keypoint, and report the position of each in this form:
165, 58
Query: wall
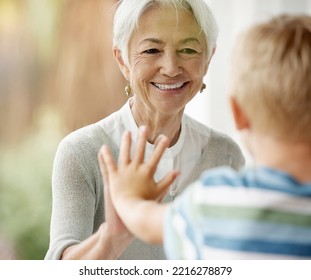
211, 107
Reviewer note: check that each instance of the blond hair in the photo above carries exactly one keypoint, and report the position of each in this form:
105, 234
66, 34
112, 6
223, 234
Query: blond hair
271, 76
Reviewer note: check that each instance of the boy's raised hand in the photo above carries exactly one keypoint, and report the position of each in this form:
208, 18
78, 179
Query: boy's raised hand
133, 179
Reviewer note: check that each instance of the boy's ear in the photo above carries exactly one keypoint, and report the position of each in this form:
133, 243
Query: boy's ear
240, 118
123, 67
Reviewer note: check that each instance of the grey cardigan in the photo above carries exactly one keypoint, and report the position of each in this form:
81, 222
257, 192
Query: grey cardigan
81, 183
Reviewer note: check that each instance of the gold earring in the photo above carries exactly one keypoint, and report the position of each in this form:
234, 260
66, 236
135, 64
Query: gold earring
128, 90
203, 88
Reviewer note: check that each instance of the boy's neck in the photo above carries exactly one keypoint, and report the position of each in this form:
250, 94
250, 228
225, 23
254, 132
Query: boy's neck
293, 158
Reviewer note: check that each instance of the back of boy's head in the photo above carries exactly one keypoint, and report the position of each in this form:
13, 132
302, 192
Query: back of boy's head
271, 77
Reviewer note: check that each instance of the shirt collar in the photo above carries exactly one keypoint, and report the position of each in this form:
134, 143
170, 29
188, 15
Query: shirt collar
130, 124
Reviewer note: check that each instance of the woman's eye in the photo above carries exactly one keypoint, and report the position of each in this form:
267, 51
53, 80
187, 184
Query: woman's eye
151, 51
188, 51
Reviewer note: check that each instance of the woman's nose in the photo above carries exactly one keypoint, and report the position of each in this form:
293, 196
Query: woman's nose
170, 64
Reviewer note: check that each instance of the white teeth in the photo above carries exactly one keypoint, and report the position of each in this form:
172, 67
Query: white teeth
168, 87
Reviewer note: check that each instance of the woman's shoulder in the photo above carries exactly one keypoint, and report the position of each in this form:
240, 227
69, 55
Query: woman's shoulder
220, 148
86, 141
214, 135
195, 126
95, 134
85, 135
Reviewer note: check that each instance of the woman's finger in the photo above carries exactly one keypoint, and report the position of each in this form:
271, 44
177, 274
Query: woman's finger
103, 168
107, 164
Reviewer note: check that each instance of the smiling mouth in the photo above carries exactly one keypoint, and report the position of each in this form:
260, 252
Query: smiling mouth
170, 86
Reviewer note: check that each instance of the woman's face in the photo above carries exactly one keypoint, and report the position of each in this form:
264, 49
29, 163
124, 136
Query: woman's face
167, 60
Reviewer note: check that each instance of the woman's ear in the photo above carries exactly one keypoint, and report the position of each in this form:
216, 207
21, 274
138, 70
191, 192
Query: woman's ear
123, 67
209, 61
213, 52
240, 118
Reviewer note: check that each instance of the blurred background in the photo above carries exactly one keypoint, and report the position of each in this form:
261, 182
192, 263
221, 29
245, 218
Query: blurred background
57, 74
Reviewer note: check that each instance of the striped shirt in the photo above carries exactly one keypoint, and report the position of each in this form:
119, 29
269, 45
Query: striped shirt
253, 214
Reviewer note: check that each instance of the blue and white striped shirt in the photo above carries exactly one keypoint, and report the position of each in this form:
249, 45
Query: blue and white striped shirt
253, 214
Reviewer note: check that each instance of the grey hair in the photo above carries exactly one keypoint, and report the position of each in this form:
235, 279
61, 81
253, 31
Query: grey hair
129, 12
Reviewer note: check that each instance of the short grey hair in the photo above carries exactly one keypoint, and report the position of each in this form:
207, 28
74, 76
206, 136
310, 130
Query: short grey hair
129, 12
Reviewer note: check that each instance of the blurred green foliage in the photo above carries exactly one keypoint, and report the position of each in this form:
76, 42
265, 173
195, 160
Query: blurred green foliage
25, 187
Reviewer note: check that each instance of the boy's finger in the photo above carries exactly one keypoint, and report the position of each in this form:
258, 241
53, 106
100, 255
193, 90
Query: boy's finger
125, 149
162, 143
140, 147
162, 195
164, 184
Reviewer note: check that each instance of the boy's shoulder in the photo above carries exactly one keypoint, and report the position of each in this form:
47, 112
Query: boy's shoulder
263, 178
259, 177
220, 176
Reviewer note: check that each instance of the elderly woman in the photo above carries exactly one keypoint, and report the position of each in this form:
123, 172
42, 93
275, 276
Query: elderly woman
163, 48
